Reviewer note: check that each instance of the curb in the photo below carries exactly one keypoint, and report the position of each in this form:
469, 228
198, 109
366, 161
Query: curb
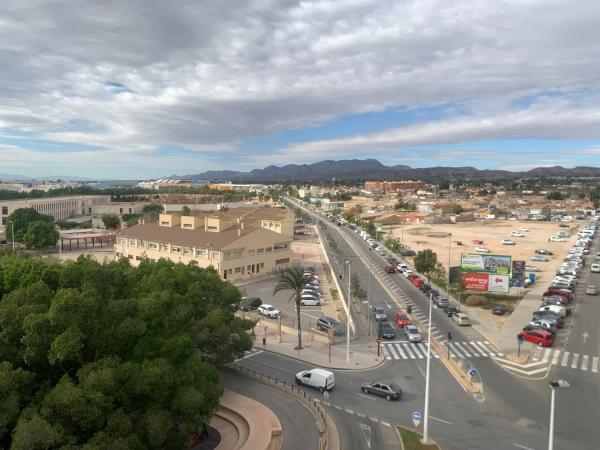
327, 367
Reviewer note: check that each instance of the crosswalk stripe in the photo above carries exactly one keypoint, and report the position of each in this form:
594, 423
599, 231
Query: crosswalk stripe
575, 360
555, 357
400, 351
473, 348
392, 351
565, 359
584, 363
423, 348
595, 364
546, 355
409, 351
416, 348
386, 353
455, 351
482, 348
537, 354
466, 352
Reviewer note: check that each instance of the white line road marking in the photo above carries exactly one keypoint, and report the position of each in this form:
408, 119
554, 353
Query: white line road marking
349, 411
584, 363
409, 351
565, 359
440, 420
463, 350
386, 353
454, 351
399, 348
367, 396
361, 415
524, 447
525, 372
546, 355
339, 408
392, 351
555, 357
575, 360
473, 349
387, 424
416, 348
595, 364
374, 419
327, 403
258, 352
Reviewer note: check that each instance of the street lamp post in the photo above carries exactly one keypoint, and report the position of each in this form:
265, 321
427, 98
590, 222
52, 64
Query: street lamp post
553, 386
427, 380
449, 246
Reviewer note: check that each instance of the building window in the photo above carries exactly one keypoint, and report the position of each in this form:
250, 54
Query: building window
164, 223
187, 250
120, 210
130, 256
163, 247
260, 250
201, 253
175, 249
280, 247
237, 253
133, 242
139, 258
282, 261
226, 255
229, 271
268, 250
4, 219
153, 245
5, 210
211, 228
238, 269
249, 267
123, 241
262, 265
187, 225
251, 252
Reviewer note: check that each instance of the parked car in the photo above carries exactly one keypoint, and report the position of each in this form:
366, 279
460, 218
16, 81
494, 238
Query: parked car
268, 311
558, 321
389, 391
401, 319
564, 293
591, 290
482, 249
532, 327
499, 309
416, 281
441, 302
320, 379
250, 303
390, 269
424, 288
412, 333
517, 234
531, 268
310, 301
379, 314
556, 309
539, 258
539, 337
595, 268
461, 319
556, 239
543, 251
324, 323
507, 242
386, 330
451, 310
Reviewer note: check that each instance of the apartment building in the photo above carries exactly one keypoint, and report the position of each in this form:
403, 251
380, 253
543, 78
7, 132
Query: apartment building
61, 208
239, 243
393, 186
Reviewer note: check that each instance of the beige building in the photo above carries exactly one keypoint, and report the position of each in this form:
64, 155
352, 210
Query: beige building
239, 243
61, 208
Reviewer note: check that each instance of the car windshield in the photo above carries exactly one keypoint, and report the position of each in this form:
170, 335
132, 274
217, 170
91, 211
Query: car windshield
394, 386
378, 310
412, 330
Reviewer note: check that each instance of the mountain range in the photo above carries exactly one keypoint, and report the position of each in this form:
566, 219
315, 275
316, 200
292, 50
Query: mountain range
371, 169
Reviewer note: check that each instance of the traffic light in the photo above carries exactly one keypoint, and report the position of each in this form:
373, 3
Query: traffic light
409, 309
449, 336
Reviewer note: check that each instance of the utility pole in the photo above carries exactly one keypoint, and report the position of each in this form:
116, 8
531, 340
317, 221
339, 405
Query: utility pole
449, 246
427, 382
349, 319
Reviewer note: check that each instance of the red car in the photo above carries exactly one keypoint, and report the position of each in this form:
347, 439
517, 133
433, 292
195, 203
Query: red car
415, 280
539, 337
566, 294
390, 269
401, 319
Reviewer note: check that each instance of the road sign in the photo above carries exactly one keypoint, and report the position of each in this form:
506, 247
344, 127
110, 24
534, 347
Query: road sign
472, 373
416, 418
520, 339
378, 340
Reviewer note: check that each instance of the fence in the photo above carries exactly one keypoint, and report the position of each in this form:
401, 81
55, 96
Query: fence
328, 435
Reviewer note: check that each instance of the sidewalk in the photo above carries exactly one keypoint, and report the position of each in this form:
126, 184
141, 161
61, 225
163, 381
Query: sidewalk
362, 356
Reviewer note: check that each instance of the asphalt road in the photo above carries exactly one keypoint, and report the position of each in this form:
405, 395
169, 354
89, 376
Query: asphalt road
514, 412
299, 425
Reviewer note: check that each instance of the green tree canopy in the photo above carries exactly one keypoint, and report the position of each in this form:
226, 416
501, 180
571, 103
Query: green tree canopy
426, 262
22, 218
555, 195
403, 205
40, 234
152, 211
111, 221
111, 356
457, 209
186, 210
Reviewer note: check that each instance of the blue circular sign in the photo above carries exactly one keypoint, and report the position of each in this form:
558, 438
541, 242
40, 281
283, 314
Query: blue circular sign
472, 373
416, 415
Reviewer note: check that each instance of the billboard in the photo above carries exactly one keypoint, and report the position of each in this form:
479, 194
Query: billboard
490, 264
518, 270
485, 282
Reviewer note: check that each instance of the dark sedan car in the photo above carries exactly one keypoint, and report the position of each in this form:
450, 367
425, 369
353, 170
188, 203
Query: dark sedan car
499, 310
390, 391
250, 304
451, 310
386, 330
558, 321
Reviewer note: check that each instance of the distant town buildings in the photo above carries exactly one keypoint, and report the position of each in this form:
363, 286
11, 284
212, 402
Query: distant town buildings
239, 243
393, 186
164, 184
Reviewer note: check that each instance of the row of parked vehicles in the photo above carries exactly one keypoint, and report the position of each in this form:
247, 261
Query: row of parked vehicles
550, 316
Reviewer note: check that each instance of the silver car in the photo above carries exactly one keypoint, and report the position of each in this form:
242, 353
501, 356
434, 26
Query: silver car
413, 334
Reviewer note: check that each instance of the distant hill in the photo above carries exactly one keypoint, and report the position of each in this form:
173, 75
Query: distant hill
371, 169
9, 177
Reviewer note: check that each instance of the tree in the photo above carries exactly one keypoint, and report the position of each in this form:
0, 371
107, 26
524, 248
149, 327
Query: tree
40, 234
292, 279
457, 209
370, 228
403, 205
111, 221
482, 193
444, 185
426, 262
111, 356
186, 210
555, 195
152, 211
22, 218
393, 244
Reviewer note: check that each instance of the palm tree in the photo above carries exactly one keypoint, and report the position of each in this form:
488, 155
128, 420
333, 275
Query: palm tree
292, 279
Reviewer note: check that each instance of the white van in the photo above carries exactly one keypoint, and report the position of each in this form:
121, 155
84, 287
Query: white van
320, 379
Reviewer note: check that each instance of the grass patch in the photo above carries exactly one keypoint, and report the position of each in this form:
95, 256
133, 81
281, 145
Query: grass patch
412, 440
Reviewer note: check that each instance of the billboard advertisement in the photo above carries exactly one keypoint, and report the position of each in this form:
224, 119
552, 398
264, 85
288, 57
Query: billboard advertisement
490, 264
485, 282
518, 270
498, 283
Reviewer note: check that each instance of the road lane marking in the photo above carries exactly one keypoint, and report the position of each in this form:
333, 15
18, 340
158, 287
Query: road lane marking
462, 349
370, 397
339, 408
327, 403
584, 363
386, 353
374, 419
387, 424
575, 360
440, 420
524, 447
565, 359
409, 351
546, 355
555, 357
473, 348
349, 411
415, 348
595, 364
479, 345
392, 351
400, 351
361, 415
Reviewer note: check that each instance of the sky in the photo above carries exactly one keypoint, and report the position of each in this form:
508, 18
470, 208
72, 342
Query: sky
149, 88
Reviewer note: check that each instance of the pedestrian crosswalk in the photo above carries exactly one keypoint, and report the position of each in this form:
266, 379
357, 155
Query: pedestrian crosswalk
567, 359
462, 350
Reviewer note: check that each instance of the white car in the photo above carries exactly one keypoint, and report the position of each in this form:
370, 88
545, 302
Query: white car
557, 239
508, 242
407, 272
482, 249
517, 234
595, 268
268, 311
531, 269
310, 301
523, 230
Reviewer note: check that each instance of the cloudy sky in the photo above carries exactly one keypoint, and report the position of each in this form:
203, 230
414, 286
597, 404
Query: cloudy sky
149, 88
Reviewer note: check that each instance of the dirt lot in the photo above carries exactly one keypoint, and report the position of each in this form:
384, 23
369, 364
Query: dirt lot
436, 237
